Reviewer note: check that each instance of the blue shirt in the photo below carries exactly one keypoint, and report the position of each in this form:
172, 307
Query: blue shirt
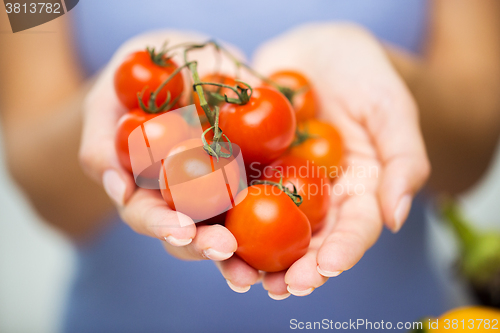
128, 283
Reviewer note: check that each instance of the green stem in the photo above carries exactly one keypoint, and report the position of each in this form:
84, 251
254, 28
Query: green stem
296, 198
199, 90
196, 78
239, 64
152, 108
243, 96
215, 149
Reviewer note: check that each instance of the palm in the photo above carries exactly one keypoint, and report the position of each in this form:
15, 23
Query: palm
384, 162
353, 224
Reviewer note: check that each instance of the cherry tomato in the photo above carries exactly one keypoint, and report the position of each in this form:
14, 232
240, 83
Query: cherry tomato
311, 184
161, 135
140, 73
193, 182
271, 231
263, 128
305, 103
324, 147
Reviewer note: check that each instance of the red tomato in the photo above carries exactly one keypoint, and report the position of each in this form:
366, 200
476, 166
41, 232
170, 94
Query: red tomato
305, 103
311, 184
139, 72
324, 148
271, 232
192, 181
162, 135
263, 128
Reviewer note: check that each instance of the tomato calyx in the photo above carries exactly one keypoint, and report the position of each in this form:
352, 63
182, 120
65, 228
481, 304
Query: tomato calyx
302, 136
168, 104
295, 196
287, 91
159, 58
241, 92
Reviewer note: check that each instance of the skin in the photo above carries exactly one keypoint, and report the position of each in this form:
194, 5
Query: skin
456, 86
41, 116
49, 124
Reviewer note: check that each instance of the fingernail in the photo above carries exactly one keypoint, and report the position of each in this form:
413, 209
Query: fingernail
278, 297
328, 273
178, 242
184, 220
237, 289
401, 212
216, 255
114, 186
299, 292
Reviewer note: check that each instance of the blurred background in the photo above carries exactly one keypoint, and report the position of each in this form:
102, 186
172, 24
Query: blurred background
36, 265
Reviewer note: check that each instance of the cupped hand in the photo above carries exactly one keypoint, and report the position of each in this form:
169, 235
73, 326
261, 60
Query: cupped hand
385, 162
144, 210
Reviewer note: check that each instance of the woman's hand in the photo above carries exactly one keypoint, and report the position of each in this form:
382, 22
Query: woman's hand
144, 210
360, 93
364, 98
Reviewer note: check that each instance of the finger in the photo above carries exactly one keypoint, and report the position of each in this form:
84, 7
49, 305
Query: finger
239, 275
147, 213
303, 277
394, 127
97, 150
358, 226
212, 242
275, 285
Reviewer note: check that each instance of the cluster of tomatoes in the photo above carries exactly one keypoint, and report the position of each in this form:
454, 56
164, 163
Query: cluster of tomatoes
287, 151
